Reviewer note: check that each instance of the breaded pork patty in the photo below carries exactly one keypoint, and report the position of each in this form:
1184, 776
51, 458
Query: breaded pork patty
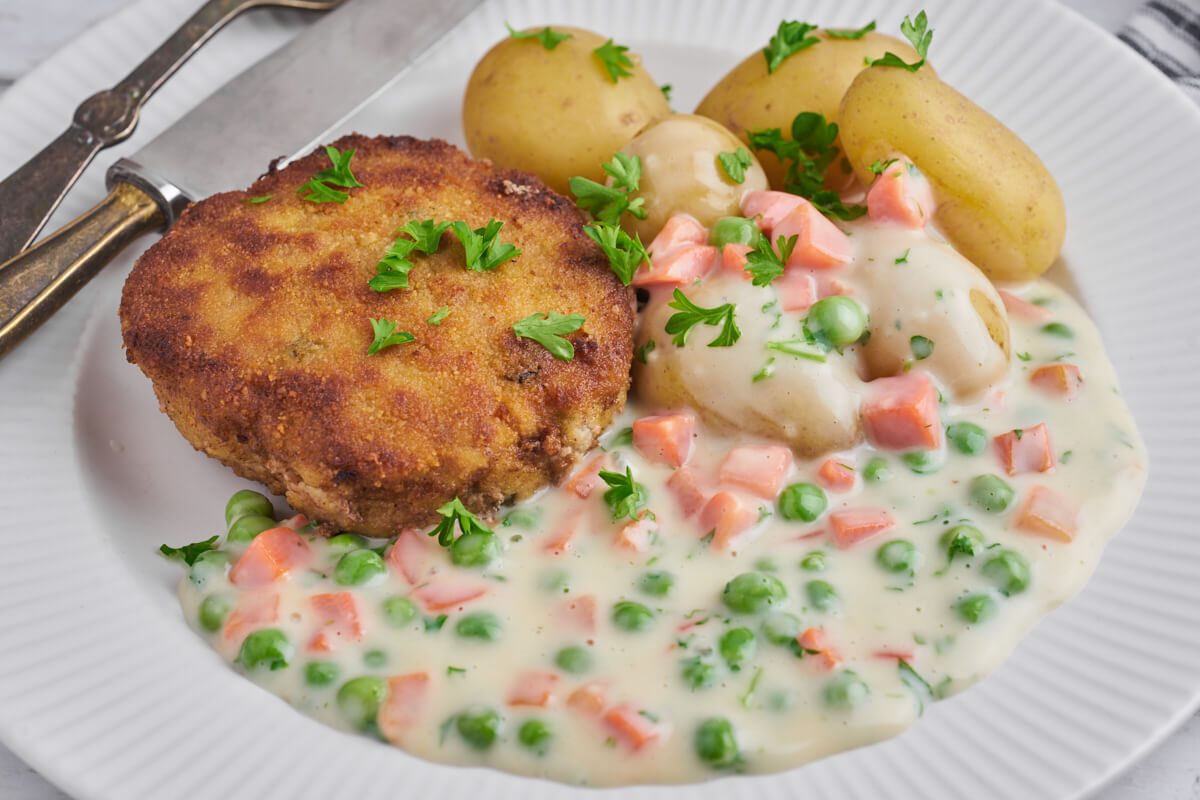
252, 321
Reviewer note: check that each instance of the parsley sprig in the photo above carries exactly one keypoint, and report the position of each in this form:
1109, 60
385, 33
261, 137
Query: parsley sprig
790, 38
858, 33
320, 188
765, 263
625, 253
807, 155
386, 335
690, 315
426, 235
735, 164
625, 497
549, 329
919, 36
455, 513
484, 251
608, 203
549, 39
613, 58
392, 270
189, 552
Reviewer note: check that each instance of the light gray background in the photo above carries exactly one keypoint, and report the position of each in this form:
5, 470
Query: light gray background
33, 30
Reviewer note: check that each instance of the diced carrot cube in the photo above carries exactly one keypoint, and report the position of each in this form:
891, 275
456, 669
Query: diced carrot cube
1025, 450
682, 266
679, 230
901, 413
337, 620
819, 243
587, 479
270, 556
797, 290
900, 196
447, 592
252, 611
1045, 512
728, 516
816, 643
590, 698
1023, 308
733, 259
836, 475
853, 525
686, 487
665, 438
408, 555
534, 688
634, 729
635, 536
577, 613
759, 469
407, 701
1060, 379
559, 539
770, 207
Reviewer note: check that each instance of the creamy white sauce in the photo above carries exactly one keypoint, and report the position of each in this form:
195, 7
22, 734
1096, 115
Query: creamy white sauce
775, 701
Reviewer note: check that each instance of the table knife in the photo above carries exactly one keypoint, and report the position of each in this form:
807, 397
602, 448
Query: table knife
282, 106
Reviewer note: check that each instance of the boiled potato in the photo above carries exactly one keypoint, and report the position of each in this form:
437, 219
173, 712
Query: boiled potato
996, 202
814, 79
681, 174
555, 113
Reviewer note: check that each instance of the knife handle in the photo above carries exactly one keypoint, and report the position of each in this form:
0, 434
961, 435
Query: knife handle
37, 282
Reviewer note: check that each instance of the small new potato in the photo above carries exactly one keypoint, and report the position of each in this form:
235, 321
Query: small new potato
996, 201
555, 113
814, 79
681, 174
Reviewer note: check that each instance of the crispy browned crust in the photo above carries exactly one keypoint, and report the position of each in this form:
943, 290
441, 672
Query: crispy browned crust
251, 321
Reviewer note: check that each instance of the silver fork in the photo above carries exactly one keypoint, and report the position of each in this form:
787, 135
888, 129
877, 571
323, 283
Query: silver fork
29, 196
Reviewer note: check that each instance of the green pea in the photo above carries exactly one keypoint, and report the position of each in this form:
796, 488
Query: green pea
802, 501
476, 549
526, 518
1008, 571
737, 646
698, 673
657, 584
268, 647
359, 700
535, 735
246, 502
976, 607
877, 470
898, 555
752, 592
346, 541
967, 438
964, 540
735, 230
923, 462
821, 595
479, 625
990, 493
630, 616
375, 658
399, 611
715, 743
479, 729
246, 527
781, 627
321, 673
575, 660
781, 699
359, 567
214, 608
813, 562
841, 319
844, 691
208, 565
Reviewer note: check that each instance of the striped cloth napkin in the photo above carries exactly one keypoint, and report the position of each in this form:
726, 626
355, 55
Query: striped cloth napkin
1167, 32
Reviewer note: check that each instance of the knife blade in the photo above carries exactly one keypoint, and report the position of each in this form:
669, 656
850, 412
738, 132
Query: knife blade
281, 107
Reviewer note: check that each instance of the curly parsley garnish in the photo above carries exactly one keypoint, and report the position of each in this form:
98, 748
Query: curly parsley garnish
615, 62
549, 329
484, 251
625, 497
790, 38
917, 33
455, 513
735, 164
549, 39
764, 263
834, 33
691, 315
386, 335
608, 203
321, 189
189, 552
625, 253
807, 155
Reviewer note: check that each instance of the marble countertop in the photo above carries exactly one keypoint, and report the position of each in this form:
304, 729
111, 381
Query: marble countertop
32, 30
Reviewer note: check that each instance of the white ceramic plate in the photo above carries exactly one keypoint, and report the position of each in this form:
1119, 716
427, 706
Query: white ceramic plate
105, 690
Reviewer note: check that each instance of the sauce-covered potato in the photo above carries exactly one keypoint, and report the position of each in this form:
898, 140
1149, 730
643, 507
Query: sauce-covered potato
681, 173
996, 201
814, 79
556, 113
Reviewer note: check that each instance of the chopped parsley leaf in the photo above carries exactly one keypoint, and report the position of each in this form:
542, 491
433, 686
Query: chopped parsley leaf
613, 58
455, 513
189, 552
859, 33
339, 174
439, 315
548, 38
735, 164
691, 314
903, 257
484, 251
427, 235
790, 38
386, 335
392, 270
917, 33
625, 496
260, 199
644, 351
608, 203
764, 263
549, 329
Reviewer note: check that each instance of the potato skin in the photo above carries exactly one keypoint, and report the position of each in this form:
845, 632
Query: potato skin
681, 174
814, 79
555, 113
997, 203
